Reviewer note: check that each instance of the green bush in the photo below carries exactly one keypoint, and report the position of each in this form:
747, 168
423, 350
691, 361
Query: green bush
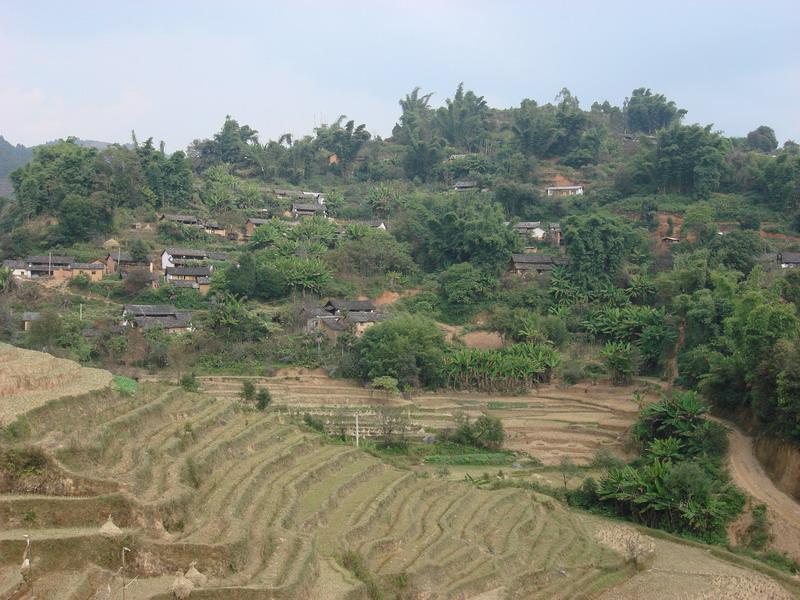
248, 391
263, 399
314, 423
189, 382
484, 432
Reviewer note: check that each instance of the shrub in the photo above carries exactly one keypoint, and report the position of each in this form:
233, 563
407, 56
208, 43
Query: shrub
189, 382
757, 535
248, 391
620, 361
80, 281
571, 372
263, 399
314, 423
484, 432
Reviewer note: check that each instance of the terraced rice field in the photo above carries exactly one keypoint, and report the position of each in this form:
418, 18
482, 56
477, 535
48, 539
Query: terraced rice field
29, 379
548, 423
266, 509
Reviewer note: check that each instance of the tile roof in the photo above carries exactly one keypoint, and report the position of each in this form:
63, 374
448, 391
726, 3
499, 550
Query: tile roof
189, 271
350, 305
148, 310
181, 320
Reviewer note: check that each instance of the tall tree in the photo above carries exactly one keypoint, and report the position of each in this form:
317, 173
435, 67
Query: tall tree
597, 245
463, 120
763, 139
648, 112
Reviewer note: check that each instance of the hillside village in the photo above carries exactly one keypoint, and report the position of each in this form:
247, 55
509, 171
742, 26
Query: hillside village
539, 351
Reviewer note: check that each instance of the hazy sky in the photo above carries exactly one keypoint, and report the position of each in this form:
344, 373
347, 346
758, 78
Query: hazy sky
173, 69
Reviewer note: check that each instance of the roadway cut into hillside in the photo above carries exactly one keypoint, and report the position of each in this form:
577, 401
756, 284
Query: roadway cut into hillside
748, 474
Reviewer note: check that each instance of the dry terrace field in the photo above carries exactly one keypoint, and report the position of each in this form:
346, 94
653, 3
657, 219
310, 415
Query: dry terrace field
29, 379
267, 510
547, 423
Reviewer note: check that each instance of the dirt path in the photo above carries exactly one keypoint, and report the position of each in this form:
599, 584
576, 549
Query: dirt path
748, 475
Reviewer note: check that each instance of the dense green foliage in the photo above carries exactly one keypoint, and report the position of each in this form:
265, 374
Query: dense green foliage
678, 483
119, 176
705, 306
409, 348
513, 368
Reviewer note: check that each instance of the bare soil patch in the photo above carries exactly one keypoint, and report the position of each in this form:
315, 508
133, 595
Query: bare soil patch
748, 474
483, 340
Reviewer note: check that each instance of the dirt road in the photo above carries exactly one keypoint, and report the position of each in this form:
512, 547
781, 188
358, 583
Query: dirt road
747, 474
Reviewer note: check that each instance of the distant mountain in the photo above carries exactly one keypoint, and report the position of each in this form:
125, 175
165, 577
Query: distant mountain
11, 158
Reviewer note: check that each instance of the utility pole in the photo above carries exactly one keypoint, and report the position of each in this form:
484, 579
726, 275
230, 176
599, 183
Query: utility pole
357, 435
50, 263
80, 310
124, 550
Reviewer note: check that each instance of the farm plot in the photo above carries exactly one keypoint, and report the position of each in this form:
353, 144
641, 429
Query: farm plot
29, 379
265, 509
547, 423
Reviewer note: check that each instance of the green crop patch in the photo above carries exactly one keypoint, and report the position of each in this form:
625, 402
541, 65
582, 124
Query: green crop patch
477, 458
124, 385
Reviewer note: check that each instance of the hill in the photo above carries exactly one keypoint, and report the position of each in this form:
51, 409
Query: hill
11, 158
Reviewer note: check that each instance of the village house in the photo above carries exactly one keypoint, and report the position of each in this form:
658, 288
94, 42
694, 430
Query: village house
28, 318
565, 190
534, 264
18, 268
199, 276
214, 228
177, 257
531, 230
339, 316
252, 224
56, 267
317, 197
94, 271
789, 260
465, 186
181, 219
150, 316
122, 262
342, 307
360, 321
318, 320
308, 210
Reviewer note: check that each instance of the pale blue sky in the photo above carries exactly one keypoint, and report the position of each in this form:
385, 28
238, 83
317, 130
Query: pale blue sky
173, 69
